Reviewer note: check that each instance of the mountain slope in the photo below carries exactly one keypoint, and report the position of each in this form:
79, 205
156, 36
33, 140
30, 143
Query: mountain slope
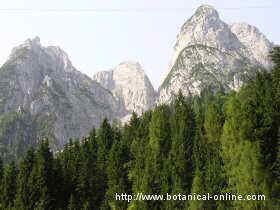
255, 41
210, 54
42, 81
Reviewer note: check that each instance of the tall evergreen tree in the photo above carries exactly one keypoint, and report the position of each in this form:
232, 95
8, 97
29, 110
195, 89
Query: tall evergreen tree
138, 155
200, 104
42, 178
242, 158
117, 172
23, 189
1, 178
1, 169
214, 179
180, 156
104, 141
86, 181
156, 179
9, 186
275, 57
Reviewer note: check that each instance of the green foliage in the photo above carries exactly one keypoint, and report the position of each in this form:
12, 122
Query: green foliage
156, 177
23, 189
242, 155
8, 188
117, 171
19, 131
180, 156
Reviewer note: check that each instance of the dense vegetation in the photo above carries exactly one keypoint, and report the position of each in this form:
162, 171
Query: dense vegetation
213, 143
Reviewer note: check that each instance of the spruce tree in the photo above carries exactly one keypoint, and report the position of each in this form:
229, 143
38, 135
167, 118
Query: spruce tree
23, 189
180, 156
156, 178
138, 154
9, 186
1, 169
214, 178
1, 176
86, 177
275, 57
199, 104
242, 158
42, 178
104, 141
117, 172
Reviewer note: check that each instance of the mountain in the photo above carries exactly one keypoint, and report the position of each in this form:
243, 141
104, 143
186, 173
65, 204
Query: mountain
130, 85
39, 84
209, 53
42, 95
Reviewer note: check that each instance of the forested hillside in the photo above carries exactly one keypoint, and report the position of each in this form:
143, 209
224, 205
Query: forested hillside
212, 143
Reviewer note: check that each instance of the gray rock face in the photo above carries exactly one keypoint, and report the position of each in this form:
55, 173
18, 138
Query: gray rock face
211, 54
255, 41
130, 85
42, 81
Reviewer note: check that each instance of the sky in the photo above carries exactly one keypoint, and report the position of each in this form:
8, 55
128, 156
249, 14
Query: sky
98, 35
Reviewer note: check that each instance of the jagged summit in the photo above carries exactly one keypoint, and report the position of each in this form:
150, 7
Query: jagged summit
210, 53
129, 83
42, 81
33, 48
34, 41
204, 15
206, 11
29, 45
205, 27
129, 66
130, 62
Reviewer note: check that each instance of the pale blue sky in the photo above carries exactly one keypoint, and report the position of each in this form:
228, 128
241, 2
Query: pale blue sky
119, 30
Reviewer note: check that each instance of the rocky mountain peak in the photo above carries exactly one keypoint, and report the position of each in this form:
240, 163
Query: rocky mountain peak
206, 12
32, 50
130, 85
33, 42
130, 66
42, 81
205, 27
209, 53
30, 45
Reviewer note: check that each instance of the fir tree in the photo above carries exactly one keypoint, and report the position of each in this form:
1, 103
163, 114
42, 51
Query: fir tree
138, 155
117, 172
242, 158
180, 156
23, 189
156, 178
214, 179
1, 176
104, 141
42, 178
9, 186
86, 179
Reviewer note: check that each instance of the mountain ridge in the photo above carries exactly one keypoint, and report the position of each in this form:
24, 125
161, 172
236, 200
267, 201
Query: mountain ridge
218, 49
40, 84
43, 82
